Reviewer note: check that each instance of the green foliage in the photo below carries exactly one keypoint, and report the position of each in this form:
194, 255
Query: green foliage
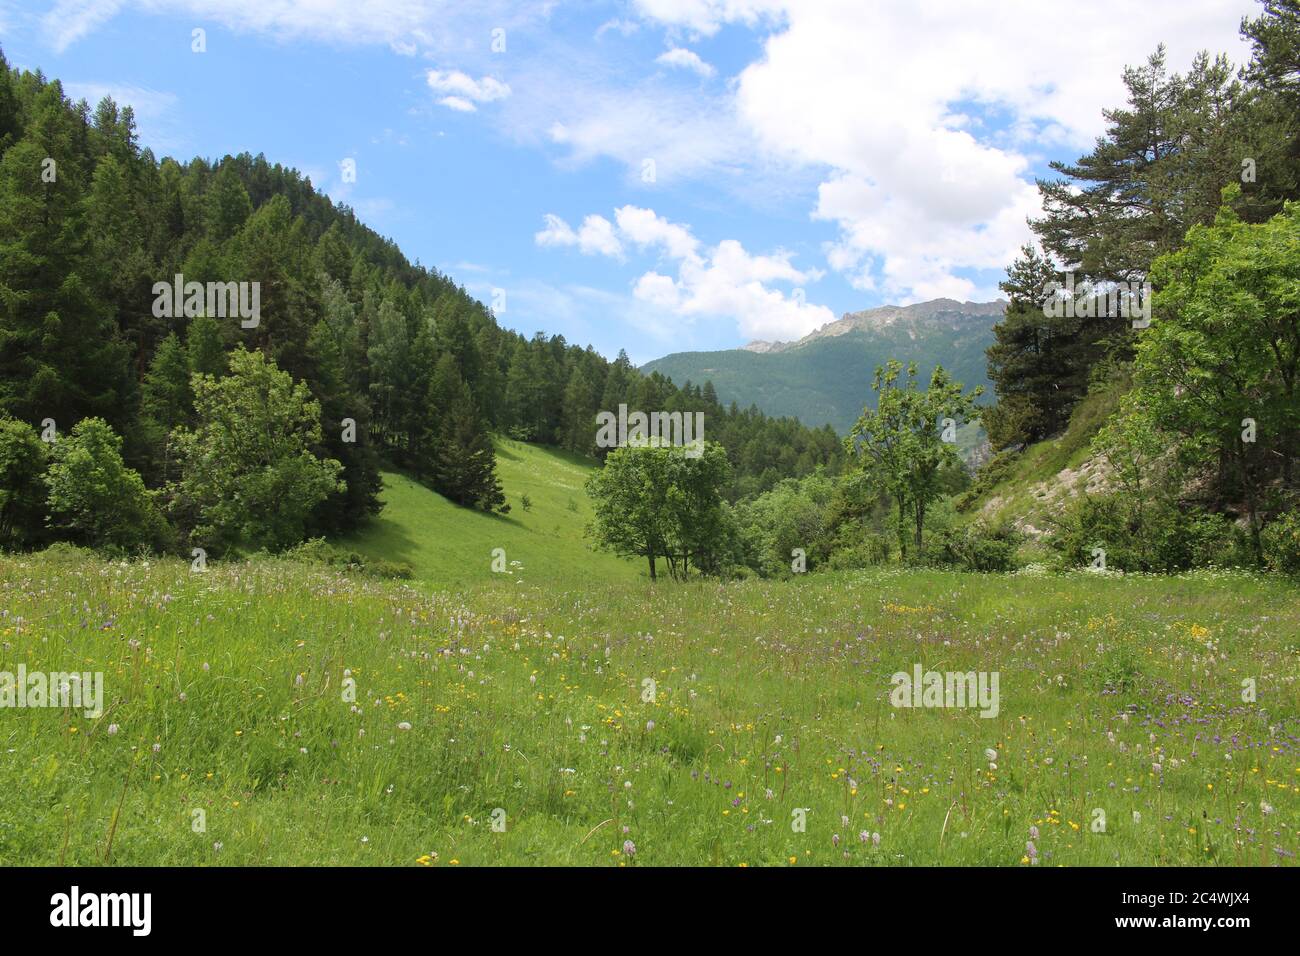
974, 547
659, 501
1223, 359
1039, 363
1159, 169
1281, 543
248, 475
991, 474
319, 551
772, 525
94, 497
1162, 536
462, 461
342, 311
22, 489
902, 444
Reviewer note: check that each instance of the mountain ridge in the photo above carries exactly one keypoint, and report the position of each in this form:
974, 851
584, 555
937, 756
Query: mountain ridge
880, 317
825, 377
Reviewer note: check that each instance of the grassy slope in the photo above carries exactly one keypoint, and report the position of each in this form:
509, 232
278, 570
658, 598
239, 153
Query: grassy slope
1032, 485
451, 545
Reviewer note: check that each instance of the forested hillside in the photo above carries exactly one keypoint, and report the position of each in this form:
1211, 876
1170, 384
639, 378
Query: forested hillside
129, 420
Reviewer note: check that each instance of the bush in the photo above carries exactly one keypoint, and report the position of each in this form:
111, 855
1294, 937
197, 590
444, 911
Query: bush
318, 551
63, 552
974, 547
990, 475
250, 477
1164, 536
22, 490
1281, 541
861, 551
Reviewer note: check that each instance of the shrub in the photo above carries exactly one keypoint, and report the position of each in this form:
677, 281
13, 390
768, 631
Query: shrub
320, 552
860, 551
97, 499
22, 490
987, 478
248, 469
1281, 541
1163, 536
975, 547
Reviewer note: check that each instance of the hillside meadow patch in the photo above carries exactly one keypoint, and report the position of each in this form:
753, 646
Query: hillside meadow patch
279, 712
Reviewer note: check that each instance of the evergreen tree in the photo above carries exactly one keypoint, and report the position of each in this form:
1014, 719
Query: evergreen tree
464, 463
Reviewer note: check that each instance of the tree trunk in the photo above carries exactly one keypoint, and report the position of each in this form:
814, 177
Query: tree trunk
902, 527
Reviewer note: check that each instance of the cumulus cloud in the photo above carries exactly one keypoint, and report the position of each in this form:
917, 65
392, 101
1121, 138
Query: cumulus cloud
462, 91
926, 136
910, 130
684, 59
731, 282
724, 281
594, 237
646, 228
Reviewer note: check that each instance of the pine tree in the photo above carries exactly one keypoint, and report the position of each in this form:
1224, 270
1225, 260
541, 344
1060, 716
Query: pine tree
1039, 364
167, 401
60, 356
203, 349
464, 464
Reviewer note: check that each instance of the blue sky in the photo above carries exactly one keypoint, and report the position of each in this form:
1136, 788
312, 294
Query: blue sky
655, 175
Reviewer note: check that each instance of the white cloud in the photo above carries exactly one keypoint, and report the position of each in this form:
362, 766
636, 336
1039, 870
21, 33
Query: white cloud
594, 237
925, 114
70, 20
684, 59
645, 227
624, 27
405, 25
733, 283
463, 91
706, 17
658, 289
595, 118
722, 282
916, 122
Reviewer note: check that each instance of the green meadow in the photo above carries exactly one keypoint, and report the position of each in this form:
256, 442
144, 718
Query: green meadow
448, 545
275, 712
